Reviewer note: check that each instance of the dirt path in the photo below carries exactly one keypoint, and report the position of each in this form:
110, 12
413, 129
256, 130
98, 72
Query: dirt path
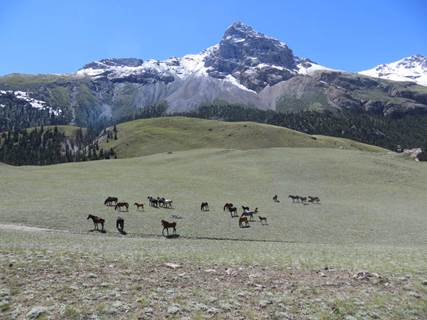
18, 227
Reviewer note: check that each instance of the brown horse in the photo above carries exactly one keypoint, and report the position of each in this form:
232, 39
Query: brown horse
111, 201
166, 225
121, 205
96, 220
139, 206
243, 222
228, 206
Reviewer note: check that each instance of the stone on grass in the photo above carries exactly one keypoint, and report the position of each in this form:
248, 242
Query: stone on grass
36, 312
174, 309
172, 265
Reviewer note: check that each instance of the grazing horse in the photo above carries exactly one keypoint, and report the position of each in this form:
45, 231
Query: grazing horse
263, 220
153, 202
139, 206
161, 202
166, 225
276, 198
121, 205
111, 201
294, 198
243, 222
167, 203
233, 211
204, 206
313, 199
228, 206
96, 220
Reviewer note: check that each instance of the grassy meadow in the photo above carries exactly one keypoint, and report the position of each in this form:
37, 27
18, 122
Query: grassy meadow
302, 265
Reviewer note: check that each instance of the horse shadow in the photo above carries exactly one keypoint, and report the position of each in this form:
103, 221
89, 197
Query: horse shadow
172, 236
100, 231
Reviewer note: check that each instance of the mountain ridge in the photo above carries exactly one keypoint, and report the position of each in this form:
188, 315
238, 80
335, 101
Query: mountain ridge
246, 68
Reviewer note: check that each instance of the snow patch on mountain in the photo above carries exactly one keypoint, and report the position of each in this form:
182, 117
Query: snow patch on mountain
413, 69
34, 103
307, 67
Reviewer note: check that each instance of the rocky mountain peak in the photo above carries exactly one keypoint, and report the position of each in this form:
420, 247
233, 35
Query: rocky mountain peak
251, 57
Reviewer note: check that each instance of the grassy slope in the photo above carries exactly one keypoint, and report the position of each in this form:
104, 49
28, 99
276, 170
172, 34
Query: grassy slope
367, 198
149, 136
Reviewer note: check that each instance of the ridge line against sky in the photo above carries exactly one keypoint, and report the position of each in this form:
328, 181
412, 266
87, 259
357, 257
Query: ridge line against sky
47, 36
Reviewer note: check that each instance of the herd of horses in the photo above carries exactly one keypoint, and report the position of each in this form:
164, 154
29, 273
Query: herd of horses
305, 199
245, 217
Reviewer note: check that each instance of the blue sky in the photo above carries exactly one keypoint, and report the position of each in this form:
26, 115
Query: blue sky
53, 36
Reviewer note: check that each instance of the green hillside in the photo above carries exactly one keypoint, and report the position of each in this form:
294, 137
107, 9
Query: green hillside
370, 198
157, 135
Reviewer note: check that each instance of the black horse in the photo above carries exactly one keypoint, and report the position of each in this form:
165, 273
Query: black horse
244, 208
153, 202
204, 206
120, 225
96, 221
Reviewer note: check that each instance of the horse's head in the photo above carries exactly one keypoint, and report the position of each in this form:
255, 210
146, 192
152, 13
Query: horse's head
89, 216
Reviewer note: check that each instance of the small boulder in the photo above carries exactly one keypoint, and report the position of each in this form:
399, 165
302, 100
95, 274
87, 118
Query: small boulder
174, 309
36, 312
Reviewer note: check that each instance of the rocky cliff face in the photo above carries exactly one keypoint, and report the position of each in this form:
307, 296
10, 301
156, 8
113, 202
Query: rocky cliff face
246, 67
252, 58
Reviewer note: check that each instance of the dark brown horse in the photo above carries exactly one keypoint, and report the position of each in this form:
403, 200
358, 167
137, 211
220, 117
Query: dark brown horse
111, 201
263, 220
293, 198
96, 221
228, 206
166, 225
139, 206
313, 199
121, 205
233, 211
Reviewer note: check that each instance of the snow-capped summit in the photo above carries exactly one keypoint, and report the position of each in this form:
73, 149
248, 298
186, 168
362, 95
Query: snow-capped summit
244, 57
413, 69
